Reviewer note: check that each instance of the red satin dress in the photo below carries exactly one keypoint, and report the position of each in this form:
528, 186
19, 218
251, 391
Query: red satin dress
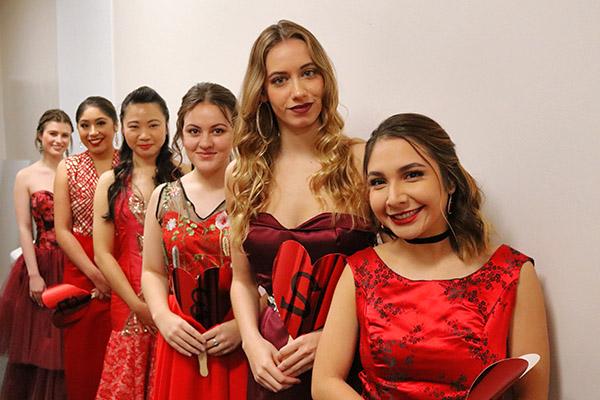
33, 345
86, 339
128, 366
202, 243
320, 235
429, 339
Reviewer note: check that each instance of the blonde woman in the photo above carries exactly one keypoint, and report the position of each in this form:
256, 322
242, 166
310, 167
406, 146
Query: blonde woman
296, 177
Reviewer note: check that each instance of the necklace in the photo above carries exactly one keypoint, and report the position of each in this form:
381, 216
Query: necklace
430, 239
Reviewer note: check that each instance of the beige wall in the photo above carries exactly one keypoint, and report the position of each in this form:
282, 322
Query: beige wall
515, 83
29, 71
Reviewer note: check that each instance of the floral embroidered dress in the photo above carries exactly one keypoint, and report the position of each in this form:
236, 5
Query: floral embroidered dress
128, 366
202, 242
86, 339
33, 345
429, 339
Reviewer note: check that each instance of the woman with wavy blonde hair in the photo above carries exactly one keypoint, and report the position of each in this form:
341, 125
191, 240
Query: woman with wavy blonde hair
296, 177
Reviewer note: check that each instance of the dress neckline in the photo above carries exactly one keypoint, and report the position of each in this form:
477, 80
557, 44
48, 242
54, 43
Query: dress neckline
310, 220
213, 212
484, 266
42, 191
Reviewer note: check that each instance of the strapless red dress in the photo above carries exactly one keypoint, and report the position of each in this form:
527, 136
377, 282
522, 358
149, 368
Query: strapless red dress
33, 345
321, 235
429, 339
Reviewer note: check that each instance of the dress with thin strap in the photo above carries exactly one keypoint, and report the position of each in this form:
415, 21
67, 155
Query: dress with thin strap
320, 235
33, 345
128, 366
429, 339
202, 242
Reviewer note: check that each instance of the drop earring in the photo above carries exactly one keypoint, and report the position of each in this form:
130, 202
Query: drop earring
449, 206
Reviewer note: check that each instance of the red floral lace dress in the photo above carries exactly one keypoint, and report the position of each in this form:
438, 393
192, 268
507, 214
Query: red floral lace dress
202, 243
86, 339
33, 345
429, 339
128, 367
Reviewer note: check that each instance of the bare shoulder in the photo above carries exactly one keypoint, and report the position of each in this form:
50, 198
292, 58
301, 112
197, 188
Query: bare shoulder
106, 178
357, 149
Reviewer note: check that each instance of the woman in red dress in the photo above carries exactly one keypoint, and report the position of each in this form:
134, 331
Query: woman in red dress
296, 178
188, 222
119, 212
33, 345
74, 186
435, 305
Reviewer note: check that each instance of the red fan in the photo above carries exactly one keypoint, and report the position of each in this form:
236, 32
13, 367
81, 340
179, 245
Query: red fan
68, 302
303, 290
498, 377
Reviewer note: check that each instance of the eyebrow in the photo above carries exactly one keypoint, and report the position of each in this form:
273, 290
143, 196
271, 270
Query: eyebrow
310, 64
402, 169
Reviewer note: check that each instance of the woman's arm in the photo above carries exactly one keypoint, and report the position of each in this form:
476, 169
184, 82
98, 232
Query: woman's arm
338, 342
63, 225
104, 234
529, 334
262, 355
177, 332
23, 215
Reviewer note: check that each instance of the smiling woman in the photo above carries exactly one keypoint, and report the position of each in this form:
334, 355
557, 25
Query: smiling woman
27, 336
437, 304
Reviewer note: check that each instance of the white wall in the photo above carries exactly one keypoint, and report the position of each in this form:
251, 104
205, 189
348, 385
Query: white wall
515, 84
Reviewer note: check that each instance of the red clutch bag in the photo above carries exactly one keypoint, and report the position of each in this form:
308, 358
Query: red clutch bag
69, 303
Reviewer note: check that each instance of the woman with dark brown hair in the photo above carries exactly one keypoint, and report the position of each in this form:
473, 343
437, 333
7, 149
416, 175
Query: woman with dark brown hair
437, 304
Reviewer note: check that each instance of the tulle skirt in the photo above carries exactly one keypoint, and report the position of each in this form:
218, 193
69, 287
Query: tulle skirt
33, 345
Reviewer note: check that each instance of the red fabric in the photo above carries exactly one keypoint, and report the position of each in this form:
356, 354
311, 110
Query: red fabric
128, 363
320, 236
85, 340
33, 345
430, 339
178, 377
202, 243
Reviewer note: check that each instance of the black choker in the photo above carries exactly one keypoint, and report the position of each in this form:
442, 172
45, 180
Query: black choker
430, 239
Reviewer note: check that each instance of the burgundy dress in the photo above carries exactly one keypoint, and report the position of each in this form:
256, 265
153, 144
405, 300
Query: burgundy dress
202, 242
33, 345
86, 339
320, 235
429, 339
128, 366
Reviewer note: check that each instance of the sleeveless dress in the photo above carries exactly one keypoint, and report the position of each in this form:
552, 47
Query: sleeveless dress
127, 372
429, 339
86, 339
202, 243
320, 235
33, 345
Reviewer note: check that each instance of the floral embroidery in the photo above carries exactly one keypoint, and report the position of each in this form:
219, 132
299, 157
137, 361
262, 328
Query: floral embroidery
222, 221
171, 224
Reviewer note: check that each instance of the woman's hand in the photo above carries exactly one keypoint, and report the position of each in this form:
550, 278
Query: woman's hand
102, 289
180, 335
36, 286
262, 357
222, 339
142, 312
298, 355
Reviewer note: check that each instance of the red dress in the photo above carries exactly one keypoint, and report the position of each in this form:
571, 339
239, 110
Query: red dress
320, 235
33, 345
128, 367
429, 339
202, 243
86, 339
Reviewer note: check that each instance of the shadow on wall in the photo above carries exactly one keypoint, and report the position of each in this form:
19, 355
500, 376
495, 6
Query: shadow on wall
8, 225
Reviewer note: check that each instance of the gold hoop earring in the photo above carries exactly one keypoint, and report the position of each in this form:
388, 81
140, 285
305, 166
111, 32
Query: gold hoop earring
269, 117
449, 206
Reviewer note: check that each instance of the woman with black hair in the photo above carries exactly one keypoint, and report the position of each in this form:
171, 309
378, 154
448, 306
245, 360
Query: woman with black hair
119, 212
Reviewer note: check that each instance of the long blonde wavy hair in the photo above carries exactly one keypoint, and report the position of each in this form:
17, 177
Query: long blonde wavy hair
256, 139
